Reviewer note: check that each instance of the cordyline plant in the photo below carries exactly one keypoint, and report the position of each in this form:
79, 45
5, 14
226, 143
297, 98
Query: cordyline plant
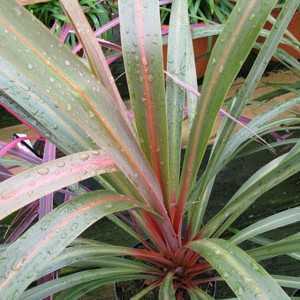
137, 160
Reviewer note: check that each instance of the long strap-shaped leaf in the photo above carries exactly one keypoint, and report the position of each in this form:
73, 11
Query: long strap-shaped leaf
166, 290
265, 241
142, 53
228, 55
247, 279
76, 292
94, 52
101, 276
33, 63
25, 258
141, 295
285, 246
240, 100
46, 178
181, 63
258, 125
198, 294
281, 219
263, 180
103, 255
288, 281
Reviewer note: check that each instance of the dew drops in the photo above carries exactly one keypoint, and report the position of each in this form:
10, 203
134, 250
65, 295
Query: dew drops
91, 114
84, 156
61, 164
67, 63
95, 152
240, 291
43, 171
74, 226
30, 66
69, 107
18, 11
51, 79
252, 17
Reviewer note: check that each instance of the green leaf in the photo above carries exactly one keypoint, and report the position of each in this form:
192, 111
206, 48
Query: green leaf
258, 125
94, 52
263, 180
247, 279
25, 258
142, 53
144, 292
265, 241
288, 281
225, 61
285, 246
278, 220
198, 294
103, 276
78, 291
60, 129
95, 255
166, 290
180, 64
38, 73
238, 103
46, 178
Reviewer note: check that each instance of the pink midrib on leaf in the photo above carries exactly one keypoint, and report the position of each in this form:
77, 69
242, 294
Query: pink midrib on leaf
102, 162
57, 228
152, 136
11, 145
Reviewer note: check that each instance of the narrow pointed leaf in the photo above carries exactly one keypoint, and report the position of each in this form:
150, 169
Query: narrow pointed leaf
246, 278
41, 180
25, 258
76, 292
166, 290
239, 102
94, 52
285, 246
51, 78
263, 180
181, 64
144, 292
103, 276
264, 241
142, 53
224, 64
257, 124
278, 220
80, 254
198, 294
288, 281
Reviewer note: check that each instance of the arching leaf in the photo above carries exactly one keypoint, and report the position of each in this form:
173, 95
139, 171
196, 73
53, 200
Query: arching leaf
25, 258
166, 290
247, 279
46, 178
